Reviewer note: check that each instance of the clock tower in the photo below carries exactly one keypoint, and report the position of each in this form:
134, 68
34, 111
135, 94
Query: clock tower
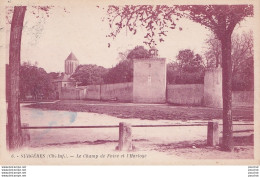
153, 52
149, 79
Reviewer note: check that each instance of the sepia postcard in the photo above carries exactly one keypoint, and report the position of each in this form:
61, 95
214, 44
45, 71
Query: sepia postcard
129, 83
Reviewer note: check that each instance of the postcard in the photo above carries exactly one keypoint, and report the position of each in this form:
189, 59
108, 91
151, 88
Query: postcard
129, 83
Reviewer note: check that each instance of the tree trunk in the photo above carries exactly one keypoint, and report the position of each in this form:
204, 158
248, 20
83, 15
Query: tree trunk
14, 121
227, 143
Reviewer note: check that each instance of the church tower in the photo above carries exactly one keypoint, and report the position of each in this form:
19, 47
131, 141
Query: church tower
71, 63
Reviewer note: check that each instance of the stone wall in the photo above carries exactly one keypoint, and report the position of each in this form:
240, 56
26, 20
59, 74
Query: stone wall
185, 94
82, 92
149, 86
243, 97
120, 92
92, 92
213, 88
70, 94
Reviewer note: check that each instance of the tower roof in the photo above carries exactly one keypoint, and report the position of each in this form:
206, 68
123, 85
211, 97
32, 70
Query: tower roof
153, 48
71, 57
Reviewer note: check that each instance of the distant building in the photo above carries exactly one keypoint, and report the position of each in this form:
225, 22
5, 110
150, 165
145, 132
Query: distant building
71, 64
64, 80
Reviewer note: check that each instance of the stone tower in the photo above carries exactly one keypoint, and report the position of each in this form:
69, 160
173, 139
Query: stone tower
149, 81
71, 63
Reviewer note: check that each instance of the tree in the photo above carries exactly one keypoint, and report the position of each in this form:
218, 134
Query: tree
123, 71
213, 53
35, 81
188, 69
242, 59
189, 62
89, 74
54, 75
14, 120
13, 112
220, 19
139, 52
190, 66
243, 79
172, 73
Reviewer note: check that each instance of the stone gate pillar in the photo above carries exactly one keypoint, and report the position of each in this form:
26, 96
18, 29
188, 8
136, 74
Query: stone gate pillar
213, 88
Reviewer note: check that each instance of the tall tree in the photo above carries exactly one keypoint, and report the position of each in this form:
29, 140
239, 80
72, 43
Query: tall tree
213, 52
35, 81
14, 121
122, 72
13, 112
190, 67
189, 62
242, 58
221, 19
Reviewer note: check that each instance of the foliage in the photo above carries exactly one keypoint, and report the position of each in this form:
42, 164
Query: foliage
221, 19
89, 74
189, 62
131, 17
242, 59
122, 72
157, 20
35, 82
172, 72
53, 75
188, 69
213, 52
139, 52
243, 79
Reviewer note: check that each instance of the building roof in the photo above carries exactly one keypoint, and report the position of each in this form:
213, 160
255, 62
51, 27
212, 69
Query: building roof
64, 78
71, 57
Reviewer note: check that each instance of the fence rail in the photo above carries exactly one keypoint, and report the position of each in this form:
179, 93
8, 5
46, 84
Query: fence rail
116, 126
125, 131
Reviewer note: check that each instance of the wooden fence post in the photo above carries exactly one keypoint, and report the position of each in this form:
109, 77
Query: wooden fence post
213, 134
125, 137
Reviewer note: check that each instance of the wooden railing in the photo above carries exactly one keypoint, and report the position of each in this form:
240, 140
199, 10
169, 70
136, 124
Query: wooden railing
125, 131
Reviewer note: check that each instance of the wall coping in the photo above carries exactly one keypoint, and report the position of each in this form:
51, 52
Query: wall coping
149, 59
214, 69
169, 86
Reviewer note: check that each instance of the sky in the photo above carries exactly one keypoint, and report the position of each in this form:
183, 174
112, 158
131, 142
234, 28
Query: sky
49, 40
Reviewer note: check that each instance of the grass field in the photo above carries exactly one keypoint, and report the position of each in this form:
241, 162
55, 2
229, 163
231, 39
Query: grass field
147, 111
